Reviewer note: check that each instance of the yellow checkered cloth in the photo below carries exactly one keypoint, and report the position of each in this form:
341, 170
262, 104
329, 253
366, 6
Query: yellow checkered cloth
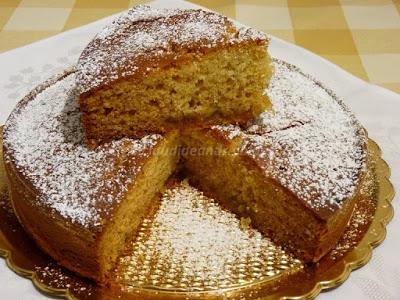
361, 36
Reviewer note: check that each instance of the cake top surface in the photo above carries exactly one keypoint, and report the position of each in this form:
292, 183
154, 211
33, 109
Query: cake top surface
45, 139
144, 39
310, 143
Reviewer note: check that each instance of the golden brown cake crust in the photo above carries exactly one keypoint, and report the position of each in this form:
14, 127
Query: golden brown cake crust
144, 40
74, 247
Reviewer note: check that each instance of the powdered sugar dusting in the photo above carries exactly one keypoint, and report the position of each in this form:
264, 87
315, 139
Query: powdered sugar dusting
310, 142
46, 140
231, 131
141, 37
140, 13
193, 244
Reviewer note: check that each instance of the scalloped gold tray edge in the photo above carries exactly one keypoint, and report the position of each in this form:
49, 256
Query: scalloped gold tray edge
356, 258
365, 248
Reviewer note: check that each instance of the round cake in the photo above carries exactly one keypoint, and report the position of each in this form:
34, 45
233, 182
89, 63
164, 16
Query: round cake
294, 172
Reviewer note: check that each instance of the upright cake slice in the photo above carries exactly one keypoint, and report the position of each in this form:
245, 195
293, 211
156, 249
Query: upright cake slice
294, 172
154, 70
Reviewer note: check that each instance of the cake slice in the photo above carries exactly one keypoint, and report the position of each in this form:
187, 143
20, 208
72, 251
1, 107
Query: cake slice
294, 172
80, 205
153, 70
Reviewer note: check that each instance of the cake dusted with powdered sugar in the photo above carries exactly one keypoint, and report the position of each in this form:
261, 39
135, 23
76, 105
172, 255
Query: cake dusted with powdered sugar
300, 166
293, 172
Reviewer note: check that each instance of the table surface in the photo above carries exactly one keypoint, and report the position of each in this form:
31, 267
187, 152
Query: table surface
361, 36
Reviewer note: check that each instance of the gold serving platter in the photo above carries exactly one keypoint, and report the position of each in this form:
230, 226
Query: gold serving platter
366, 230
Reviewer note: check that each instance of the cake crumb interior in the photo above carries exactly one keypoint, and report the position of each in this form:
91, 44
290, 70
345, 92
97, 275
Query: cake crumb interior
217, 88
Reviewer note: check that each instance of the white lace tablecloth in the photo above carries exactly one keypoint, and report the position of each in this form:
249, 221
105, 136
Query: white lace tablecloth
378, 110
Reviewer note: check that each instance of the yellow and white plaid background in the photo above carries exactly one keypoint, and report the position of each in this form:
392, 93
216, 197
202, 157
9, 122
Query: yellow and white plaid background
361, 36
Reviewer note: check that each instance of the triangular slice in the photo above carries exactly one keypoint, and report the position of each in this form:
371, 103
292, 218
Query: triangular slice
154, 70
